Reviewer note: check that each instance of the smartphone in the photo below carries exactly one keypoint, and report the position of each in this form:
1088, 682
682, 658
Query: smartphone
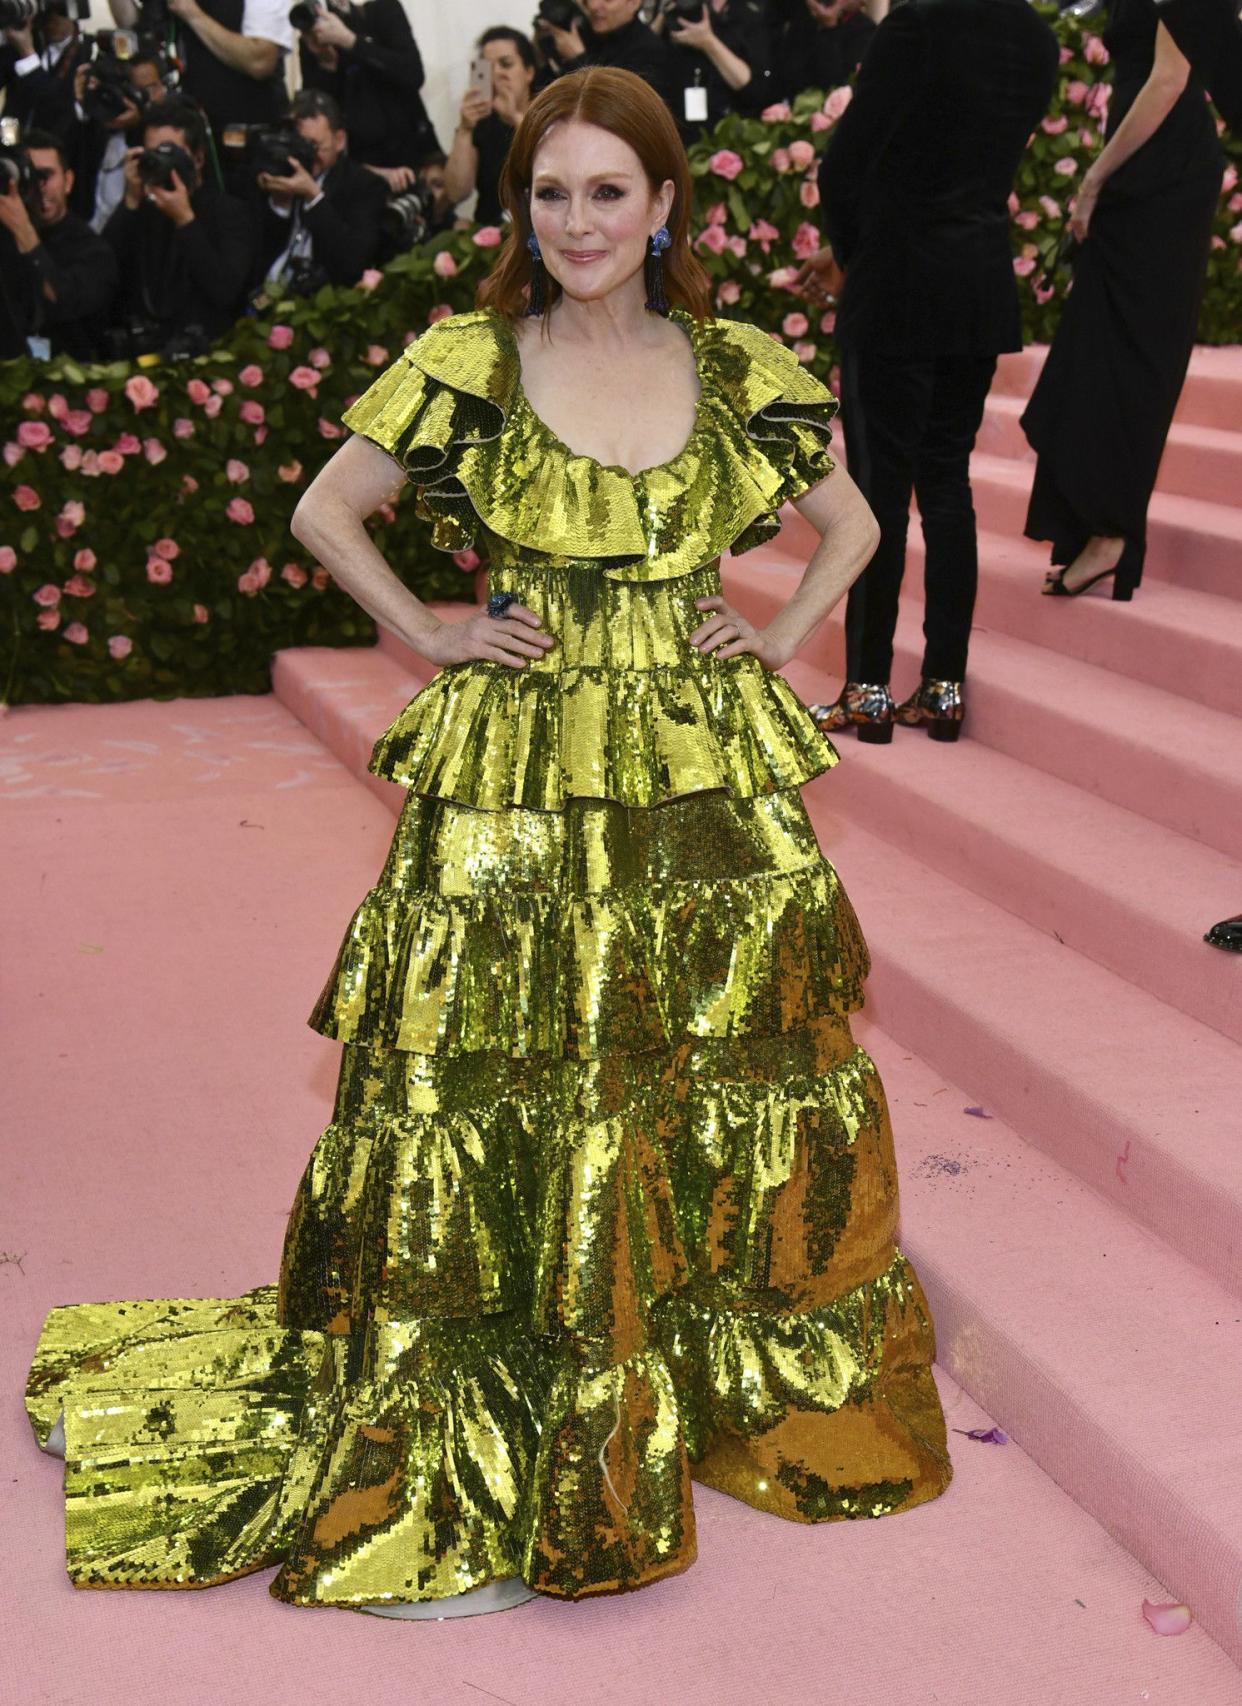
481, 76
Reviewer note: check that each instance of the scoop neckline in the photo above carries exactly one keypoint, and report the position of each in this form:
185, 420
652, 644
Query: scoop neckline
691, 327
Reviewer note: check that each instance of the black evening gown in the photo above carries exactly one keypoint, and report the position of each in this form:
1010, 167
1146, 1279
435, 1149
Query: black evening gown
1100, 413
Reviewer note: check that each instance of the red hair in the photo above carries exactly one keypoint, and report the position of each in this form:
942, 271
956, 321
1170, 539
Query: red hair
622, 103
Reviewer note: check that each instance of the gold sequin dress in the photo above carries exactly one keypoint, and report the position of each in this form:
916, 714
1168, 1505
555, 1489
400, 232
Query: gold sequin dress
608, 1202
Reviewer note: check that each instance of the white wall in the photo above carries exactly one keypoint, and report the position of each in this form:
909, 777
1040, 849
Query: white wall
444, 31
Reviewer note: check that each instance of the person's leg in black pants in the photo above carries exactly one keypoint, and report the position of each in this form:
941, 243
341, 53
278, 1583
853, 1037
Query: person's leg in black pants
942, 487
884, 405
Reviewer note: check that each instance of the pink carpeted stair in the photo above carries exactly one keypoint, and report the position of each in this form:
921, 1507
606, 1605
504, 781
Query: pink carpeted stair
1063, 1052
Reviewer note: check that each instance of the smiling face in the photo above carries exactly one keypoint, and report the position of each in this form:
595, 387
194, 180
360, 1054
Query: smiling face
592, 208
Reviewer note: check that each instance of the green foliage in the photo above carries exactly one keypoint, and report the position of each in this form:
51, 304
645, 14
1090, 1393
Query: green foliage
175, 597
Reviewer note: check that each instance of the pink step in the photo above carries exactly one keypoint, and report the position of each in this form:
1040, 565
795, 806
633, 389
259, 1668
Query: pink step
346, 697
1112, 1360
1198, 462
1194, 544
1211, 396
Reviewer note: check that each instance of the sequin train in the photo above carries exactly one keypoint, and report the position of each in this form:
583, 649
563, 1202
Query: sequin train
608, 1201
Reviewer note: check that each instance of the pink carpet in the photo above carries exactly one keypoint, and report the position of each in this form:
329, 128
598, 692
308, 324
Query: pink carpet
177, 880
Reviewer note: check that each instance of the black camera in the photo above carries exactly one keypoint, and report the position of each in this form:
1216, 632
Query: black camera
108, 89
18, 14
157, 165
302, 16
17, 175
266, 148
689, 11
552, 14
141, 336
408, 218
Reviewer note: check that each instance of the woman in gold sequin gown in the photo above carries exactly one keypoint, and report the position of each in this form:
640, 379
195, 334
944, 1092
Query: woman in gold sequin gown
608, 1200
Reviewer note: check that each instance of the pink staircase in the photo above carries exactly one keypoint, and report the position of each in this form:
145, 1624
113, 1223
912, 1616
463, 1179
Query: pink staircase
1062, 1051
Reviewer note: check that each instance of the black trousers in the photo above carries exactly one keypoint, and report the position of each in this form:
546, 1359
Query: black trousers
910, 425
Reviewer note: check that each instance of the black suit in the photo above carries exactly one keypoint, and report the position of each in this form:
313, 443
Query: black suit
81, 270
1209, 34
914, 188
634, 48
344, 227
377, 82
187, 275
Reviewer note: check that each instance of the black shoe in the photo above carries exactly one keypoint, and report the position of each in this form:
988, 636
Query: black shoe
1126, 571
938, 706
862, 706
1227, 934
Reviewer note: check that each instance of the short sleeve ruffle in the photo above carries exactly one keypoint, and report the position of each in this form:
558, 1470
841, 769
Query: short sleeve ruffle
452, 411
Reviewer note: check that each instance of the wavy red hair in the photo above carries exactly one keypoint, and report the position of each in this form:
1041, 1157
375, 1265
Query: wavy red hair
622, 103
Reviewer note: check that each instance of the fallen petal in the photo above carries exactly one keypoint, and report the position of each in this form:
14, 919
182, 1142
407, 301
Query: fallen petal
993, 1436
1167, 1619
978, 1113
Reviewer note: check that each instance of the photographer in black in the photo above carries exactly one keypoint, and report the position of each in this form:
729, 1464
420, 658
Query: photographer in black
57, 276
232, 54
721, 58
321, 220
38, 61
367, 59
818, 44
502, 80
184, 249
111, 93
612, 33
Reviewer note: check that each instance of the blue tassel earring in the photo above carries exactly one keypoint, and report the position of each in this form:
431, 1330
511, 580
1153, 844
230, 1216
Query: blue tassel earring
653, 268
537, 275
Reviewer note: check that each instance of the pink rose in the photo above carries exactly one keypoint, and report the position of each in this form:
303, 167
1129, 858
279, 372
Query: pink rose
212, 407
716, 214
801, 153
97, 400
728, 293
182, 428
820, 121
198, 391
295, 575
304, 378
73, 512
737, 246
57, 406
319, 579
1024, 265
370, 278
794, 325
783, 278
376, 355
1094, 52
33, 403
64, 529
805, 352
189, 485
239, 510
47, 595
763, 234
128, 445
781, 161
246, 583
222, 387
487, 236
77, 586
319, 357
441, 311
13, 454
444, 266
84, 560
261, 570
76, 634
289, 472
71, 457
201, 613
1054, 126
1050, 207
251, 412
141, 392
1066, 168
778, 111
159, 573
35, 435
808, 194
806, 241
236, 472
467, 561
1027, 221
90, 463
77, 421
251, 374
1076, 92
714, 238
260, 433
48, 619
1013, 204
1229, 181
1235, 203
726, 164
168, 549
1065, 56
8, 559
329, 429
25, 497
837, 101
1043, 293
111, 462
120, 646
280, 337
1097, 101
154, 451
828, 323
1235, 233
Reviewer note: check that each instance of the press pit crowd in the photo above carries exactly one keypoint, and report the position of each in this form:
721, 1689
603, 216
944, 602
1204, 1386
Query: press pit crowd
159, 180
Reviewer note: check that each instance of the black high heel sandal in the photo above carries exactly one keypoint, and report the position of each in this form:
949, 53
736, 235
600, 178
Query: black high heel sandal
1125, 571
